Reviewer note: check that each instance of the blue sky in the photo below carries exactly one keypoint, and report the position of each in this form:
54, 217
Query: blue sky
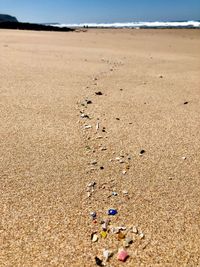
82, 11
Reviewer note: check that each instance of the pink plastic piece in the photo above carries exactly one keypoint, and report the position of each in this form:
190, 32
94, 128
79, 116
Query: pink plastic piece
122, 255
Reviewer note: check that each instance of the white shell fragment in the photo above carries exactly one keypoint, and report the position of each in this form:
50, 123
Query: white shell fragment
95, 238
141, 235
87, 126
134, 230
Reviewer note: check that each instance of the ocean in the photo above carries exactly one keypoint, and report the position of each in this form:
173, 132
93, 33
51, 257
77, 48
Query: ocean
137, 25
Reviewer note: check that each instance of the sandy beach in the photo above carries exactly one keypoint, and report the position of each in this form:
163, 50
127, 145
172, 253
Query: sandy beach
66, 151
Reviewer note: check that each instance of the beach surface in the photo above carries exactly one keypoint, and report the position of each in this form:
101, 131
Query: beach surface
54, 142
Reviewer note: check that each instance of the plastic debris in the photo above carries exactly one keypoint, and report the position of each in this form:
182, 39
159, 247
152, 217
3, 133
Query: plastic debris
103, 234
122, 255
98, 261
112, 212
107, 254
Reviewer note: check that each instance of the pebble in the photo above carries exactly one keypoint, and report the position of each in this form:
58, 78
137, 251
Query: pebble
142, 152
98, 261
92, 184
141, 235
93, 214
184, 158
84, 116
123, 172
114, 194
120, 236
122, 255
127, 242
88, 102
134, 230
125, 192
185, 103
98, 93
94, 238
94, 162
87, 126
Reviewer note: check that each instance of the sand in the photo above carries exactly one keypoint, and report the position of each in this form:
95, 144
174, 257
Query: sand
145, 76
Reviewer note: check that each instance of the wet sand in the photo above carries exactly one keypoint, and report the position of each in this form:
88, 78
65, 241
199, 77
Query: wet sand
47, 155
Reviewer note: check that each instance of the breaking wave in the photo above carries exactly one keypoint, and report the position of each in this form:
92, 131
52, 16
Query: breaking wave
155, 24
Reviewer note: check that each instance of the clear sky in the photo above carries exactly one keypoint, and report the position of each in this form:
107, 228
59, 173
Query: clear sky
83, 11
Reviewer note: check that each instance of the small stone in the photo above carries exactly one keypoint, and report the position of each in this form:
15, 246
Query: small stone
94, 237
160, 76
101, 168
127, 242
125, 192
124, 172
84, 116
98, 93
103, 234
141, 235
98, 261
94, 162
134, 230
88, 102
93, 214
121, 161
118, 119
92, 184
184, 158
142, 152
120, 236
185, 103
114, 194
122, 255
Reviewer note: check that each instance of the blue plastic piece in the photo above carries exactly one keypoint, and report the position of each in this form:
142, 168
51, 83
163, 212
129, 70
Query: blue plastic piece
112, 212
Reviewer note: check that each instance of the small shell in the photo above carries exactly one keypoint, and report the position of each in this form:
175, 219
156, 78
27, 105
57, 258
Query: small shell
95, 238
134, 230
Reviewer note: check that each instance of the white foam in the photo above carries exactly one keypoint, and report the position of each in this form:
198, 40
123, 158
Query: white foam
195, 24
